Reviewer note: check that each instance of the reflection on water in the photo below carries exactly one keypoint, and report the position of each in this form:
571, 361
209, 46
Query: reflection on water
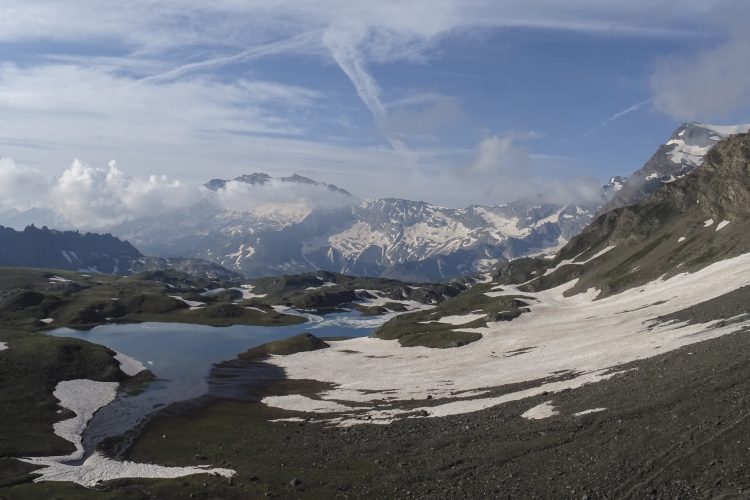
181, 356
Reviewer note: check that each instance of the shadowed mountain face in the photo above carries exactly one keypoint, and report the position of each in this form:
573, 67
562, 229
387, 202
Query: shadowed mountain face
684, 226
91, 252
34, 247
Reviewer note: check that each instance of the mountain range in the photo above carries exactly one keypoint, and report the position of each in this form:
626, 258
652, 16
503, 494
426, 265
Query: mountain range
257, 225
398, 238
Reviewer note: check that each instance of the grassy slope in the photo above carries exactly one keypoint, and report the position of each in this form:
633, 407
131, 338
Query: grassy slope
420, 329
28, 295
304, 291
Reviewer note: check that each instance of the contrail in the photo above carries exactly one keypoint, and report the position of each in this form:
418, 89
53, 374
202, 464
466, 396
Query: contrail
300, 41
617, 116
351, 63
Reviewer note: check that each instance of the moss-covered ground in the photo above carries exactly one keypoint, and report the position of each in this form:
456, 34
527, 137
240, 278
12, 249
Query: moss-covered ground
422, 328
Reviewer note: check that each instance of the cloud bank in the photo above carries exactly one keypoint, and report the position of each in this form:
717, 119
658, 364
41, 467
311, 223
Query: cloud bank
99, 198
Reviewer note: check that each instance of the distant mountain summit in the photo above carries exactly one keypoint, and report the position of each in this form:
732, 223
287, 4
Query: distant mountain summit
678, 157
260, 179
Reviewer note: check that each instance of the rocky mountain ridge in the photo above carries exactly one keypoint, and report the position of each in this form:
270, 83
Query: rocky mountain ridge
679, 156
91, 252
684, 226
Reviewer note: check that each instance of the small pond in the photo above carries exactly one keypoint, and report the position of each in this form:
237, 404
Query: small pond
181, 357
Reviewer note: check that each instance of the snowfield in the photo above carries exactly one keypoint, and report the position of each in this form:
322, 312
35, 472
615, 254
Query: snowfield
128, 365
3, 346
579, 335
84, 398
544, 410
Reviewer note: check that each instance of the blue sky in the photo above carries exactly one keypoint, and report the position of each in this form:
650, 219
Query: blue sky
455, 102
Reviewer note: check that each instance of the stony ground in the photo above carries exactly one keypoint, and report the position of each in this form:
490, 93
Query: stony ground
676, 426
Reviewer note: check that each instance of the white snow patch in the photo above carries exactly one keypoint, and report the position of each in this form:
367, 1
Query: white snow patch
290, 419
296, 402
652, 176
539, 412
193, 304
67, 257
59, 279
568, 262
98, 468
47, 321
378, 298
589, 412
505, 226
357, 238
84, 398
3, 346
722, 225
681, 239
247, 292
460, 319
128, 365
326, 284
726, 130
708, 223
687, 153
576, 334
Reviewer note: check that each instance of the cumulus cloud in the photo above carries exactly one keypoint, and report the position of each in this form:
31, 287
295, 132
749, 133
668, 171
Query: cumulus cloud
297, 199
99, 198
504, 170
96, 197
90, 197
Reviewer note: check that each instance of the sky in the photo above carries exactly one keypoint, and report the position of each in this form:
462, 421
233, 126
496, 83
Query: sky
455, 102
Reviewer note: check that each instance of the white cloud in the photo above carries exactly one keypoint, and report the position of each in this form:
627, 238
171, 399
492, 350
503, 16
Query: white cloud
235, 23
154, 96
96, 197
276, 194
21, 187
712, 82
500, 155
71, 110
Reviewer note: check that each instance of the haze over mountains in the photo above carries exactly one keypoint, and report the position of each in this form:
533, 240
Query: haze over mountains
258, 225
401, 238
